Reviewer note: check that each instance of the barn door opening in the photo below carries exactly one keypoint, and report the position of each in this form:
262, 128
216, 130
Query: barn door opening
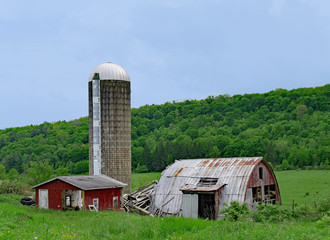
206, 205
43, 198
71, 199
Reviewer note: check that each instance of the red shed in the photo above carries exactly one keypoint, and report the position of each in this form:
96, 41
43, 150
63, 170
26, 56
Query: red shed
79, 192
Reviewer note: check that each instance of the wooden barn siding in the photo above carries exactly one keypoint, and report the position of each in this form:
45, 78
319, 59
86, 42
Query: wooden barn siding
268, 179
105, 197
55, 189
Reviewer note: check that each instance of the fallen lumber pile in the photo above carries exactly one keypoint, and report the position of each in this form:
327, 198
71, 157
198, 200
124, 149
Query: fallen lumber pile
139, 200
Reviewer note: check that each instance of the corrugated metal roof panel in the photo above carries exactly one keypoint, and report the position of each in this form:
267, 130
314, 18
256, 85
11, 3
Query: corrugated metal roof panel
110, 71
234, 172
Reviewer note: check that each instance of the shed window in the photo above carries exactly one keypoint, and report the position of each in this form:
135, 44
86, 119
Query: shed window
261, 173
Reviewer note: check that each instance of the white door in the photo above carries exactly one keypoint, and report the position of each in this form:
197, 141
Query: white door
43, 198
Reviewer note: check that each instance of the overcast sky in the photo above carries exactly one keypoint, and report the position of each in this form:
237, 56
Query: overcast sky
172, 50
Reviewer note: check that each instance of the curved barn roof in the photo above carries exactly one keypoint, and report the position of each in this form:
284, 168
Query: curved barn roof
185, 173
110, 71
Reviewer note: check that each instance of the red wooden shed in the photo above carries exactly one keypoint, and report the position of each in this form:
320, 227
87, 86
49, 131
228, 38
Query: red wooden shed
79, 192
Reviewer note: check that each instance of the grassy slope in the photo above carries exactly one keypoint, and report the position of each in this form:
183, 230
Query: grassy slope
20, 222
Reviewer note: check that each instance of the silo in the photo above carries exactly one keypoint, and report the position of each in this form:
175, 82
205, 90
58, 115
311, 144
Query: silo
109, 90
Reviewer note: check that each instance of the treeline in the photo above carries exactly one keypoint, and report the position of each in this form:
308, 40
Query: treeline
289, 128
46, 148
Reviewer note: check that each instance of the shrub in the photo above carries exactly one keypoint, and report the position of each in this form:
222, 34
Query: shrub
271, 213
323, 222
15, 187
140, 169
236, 211
81, 167
323, 204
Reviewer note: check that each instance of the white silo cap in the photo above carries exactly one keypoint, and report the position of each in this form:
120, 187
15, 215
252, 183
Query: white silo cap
110, 71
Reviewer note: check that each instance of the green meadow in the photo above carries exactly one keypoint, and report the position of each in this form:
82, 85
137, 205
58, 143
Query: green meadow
22, 222
304, 186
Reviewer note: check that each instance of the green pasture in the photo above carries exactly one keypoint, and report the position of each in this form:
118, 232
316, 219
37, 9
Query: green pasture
304, 186
142, 179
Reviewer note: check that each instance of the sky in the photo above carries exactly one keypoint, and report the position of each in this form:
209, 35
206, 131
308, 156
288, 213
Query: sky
173, 50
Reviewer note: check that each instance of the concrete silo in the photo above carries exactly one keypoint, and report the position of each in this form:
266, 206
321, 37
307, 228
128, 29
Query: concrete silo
109, 89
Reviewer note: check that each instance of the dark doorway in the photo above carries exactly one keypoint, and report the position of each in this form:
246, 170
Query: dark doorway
206, 206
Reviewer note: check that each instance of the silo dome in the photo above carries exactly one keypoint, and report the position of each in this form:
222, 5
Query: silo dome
110, 71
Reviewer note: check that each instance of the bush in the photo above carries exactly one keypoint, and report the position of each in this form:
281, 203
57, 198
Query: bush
323, 204
140, 169
11, 187
236, 211
323, 222
271, 213
81, 167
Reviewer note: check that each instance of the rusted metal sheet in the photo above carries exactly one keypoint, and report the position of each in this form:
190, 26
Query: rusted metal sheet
234, 172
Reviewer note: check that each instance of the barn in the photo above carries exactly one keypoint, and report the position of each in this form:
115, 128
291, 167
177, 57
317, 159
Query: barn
200, 187
79, 192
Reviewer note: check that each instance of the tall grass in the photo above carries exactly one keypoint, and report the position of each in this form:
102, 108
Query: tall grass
21, 222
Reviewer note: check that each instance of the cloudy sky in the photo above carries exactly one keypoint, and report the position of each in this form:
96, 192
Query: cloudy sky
172, 50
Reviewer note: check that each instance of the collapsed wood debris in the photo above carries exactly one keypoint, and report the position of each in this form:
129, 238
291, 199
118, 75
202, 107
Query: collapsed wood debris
139, 200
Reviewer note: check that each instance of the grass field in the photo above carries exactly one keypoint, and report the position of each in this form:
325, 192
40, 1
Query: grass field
141, 179
303, 186
21, 222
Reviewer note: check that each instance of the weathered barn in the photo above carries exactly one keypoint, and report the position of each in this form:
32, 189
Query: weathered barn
79, 192
200, 187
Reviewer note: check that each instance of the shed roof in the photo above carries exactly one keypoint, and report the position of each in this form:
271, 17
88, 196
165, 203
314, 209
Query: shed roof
88, 182
234, 173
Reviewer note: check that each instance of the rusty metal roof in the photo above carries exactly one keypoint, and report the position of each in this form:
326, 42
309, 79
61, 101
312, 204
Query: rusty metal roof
88, 182
233, 172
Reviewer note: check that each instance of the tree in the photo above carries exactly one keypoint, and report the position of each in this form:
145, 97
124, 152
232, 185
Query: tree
39, 172
2, 172
285, 164
62, 171
12, 174
300, 111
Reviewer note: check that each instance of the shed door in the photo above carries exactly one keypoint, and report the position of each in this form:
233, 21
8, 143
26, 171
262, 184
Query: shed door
43, 198
190, 205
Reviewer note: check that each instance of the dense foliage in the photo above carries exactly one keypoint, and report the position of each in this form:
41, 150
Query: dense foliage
289, 128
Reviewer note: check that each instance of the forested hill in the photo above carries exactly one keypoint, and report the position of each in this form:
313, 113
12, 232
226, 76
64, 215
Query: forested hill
289, 128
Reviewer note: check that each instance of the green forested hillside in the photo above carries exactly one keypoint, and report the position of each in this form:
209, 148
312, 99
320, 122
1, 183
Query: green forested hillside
289, 128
